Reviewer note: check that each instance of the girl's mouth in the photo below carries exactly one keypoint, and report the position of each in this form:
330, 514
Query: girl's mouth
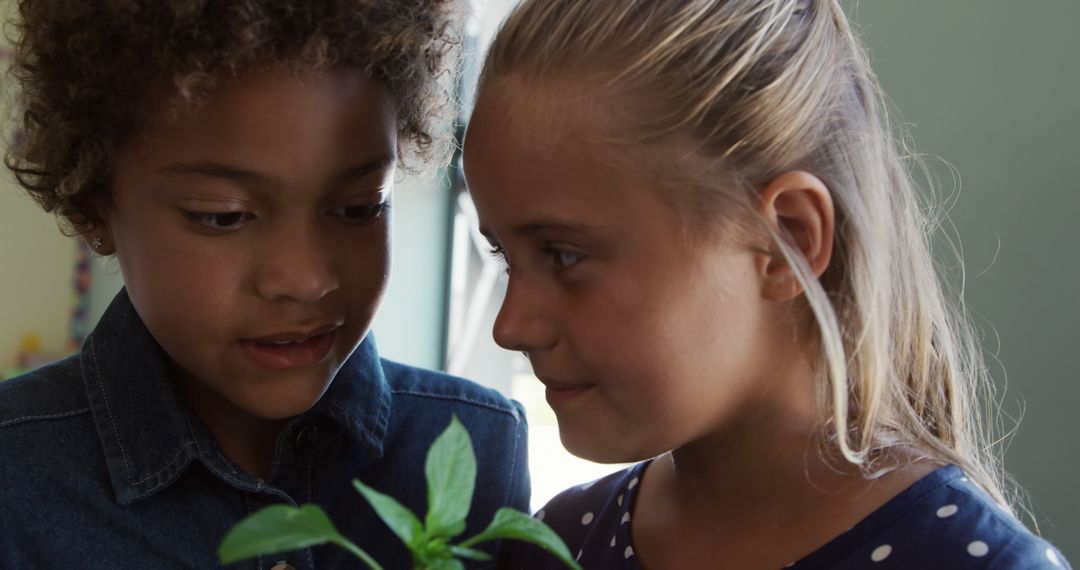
558, 395
285, 354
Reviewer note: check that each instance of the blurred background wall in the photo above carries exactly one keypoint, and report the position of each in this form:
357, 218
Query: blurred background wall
992, 87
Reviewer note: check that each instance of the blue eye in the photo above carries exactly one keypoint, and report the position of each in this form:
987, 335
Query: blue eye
361, 214
219, 221
566, 259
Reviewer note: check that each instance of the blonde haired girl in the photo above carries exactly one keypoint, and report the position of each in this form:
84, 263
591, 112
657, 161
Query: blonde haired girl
718, 267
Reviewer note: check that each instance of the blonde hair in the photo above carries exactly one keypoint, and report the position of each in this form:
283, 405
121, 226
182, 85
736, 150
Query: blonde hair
759, 88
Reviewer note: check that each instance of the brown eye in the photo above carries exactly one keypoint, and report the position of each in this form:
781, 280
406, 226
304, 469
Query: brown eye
361, 214
220, 221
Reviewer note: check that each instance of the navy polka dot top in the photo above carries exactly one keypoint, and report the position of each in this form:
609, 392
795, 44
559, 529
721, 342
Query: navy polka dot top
942, 521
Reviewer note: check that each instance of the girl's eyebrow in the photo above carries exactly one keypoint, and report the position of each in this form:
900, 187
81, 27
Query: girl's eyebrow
213, 169
247, 177
556, 224
377, 164
543, 224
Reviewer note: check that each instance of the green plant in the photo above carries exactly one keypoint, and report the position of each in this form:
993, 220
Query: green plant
450, 470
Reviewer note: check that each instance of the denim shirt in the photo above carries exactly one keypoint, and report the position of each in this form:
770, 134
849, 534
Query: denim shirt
101, 466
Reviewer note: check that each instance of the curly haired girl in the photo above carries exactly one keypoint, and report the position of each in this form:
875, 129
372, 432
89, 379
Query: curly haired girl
237, 159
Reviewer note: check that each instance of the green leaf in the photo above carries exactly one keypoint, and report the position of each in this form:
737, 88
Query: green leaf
470, 553
451, 477
282, 528
400, 519
509, 523
277, 528
444, 564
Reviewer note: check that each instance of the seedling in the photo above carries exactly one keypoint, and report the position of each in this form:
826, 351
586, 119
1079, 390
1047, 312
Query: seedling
450, 470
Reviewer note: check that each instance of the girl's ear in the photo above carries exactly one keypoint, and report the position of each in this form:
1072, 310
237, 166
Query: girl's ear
94, 229
798, 206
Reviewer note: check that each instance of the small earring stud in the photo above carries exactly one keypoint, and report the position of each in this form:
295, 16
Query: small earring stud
96, 243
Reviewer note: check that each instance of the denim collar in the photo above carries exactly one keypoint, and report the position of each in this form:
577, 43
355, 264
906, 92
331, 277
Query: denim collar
148, 436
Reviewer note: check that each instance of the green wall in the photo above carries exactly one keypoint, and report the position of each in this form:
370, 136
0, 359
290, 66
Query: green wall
992, 87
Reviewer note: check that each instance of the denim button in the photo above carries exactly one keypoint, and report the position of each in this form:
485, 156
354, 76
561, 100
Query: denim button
282, 566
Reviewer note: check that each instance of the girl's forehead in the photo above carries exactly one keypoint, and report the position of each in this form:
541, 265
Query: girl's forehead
565, 136
541, 111
243, 103
269, 132
561, 119
583, 110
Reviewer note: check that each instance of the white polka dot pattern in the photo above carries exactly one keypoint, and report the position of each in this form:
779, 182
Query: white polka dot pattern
947, 511
881, 553
942, 517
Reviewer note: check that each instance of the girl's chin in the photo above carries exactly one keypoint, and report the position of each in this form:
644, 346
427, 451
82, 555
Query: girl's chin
280, 406
586, 445
282, 411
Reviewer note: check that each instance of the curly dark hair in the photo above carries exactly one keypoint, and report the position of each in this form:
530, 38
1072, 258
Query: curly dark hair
85, 66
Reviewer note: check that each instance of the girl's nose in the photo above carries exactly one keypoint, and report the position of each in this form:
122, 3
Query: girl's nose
523, 324
299, 266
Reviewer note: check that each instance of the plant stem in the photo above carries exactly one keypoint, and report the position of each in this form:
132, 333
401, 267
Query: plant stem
468, 543
357, 552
